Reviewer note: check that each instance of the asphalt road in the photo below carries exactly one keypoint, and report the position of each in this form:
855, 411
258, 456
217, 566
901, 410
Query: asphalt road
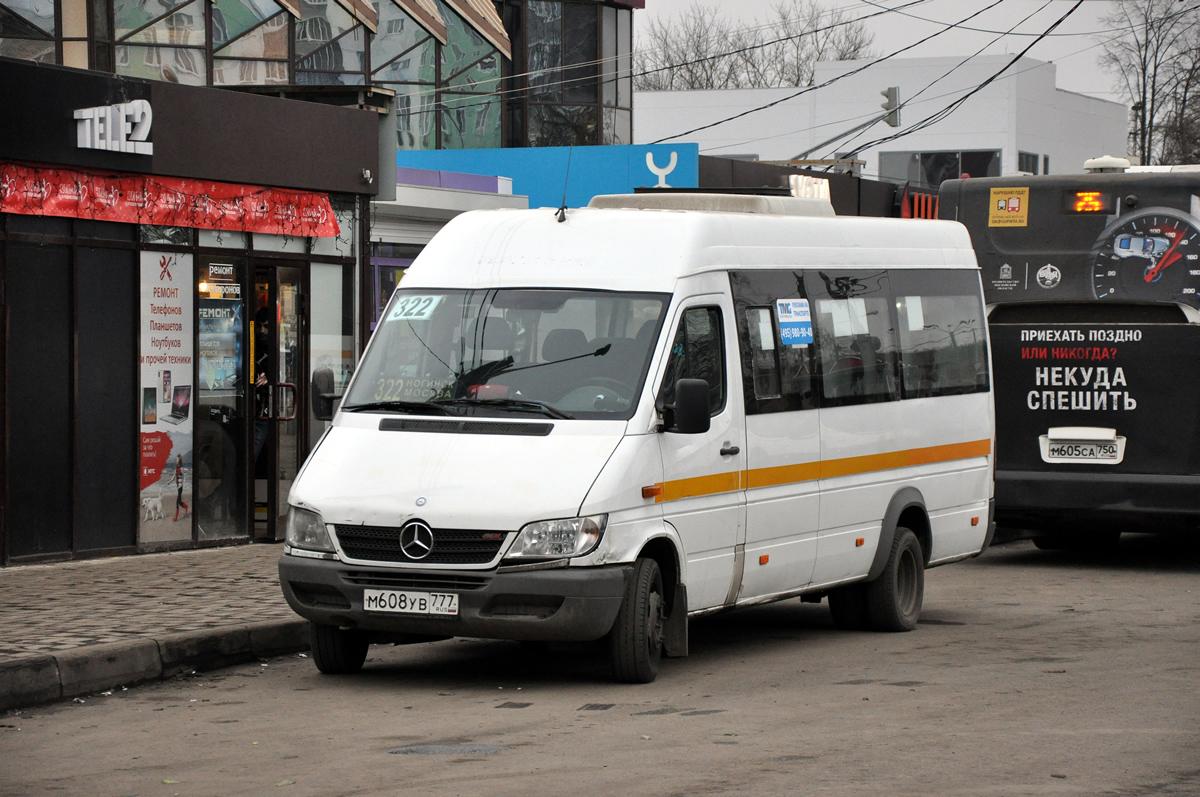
1031, 673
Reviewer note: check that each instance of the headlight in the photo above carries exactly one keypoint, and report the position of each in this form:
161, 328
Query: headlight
306, 530
567, 537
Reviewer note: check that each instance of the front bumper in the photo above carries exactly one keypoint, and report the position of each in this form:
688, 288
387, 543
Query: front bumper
567, 604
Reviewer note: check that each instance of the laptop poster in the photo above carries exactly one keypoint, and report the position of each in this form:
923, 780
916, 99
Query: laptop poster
166, 352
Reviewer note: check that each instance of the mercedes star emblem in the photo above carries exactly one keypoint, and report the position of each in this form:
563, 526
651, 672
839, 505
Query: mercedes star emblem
416, 539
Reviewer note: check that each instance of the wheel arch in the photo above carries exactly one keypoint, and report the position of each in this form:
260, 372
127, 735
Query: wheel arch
906, 509
664, 551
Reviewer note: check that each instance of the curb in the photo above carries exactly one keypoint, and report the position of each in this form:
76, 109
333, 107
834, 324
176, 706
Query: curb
30, 680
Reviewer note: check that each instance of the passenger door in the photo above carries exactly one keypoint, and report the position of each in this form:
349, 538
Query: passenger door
702, 490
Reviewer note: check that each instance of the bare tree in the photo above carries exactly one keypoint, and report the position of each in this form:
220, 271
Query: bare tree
1153, 63
701, 49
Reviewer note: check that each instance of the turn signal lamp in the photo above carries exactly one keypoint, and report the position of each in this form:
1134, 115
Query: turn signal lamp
653, 491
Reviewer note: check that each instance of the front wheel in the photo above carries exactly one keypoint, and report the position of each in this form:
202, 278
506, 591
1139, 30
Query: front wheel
636, 639
894, 599
337, 652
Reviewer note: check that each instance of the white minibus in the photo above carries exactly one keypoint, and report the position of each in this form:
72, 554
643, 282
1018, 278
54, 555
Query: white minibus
598, 423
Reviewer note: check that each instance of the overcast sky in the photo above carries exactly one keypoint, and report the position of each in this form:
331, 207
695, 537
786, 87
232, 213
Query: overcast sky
1073, 46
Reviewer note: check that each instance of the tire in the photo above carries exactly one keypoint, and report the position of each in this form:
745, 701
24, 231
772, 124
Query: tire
848, 605
337, 652
894, 599
636, 639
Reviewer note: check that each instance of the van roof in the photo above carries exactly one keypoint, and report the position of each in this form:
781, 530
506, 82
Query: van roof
650, 250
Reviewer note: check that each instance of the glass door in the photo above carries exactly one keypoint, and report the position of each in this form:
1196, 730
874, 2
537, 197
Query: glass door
221, 399
279, 375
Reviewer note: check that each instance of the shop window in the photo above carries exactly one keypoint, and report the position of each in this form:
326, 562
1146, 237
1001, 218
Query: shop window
28, 49
171, 236
1027, 162
342, 244
105, 230
27, 30
39, 225
30, 19
289, 244
561, 125
222, 239
234, 18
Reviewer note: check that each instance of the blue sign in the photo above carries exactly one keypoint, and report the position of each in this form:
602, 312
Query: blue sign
795, 322
546, 174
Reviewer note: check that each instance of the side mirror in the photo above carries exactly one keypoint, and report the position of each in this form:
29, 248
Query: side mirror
324, 400
690, 410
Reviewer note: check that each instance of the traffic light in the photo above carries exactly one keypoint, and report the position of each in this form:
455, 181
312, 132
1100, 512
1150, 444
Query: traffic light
892, 106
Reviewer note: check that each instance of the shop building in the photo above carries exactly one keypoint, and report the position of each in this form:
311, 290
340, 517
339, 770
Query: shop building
181, 305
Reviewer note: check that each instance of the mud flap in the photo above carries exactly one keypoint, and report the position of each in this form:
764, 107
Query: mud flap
675, 630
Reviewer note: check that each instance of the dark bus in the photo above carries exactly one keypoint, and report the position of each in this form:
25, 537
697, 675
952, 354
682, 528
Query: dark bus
1091, 283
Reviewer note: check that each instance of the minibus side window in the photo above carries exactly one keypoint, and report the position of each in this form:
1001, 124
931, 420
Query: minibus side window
760, 325
698, 352
776, 350
855, 336
943, 342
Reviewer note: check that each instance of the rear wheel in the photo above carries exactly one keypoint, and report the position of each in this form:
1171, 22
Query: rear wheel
636, 639
848, 605
894, 599
337, 652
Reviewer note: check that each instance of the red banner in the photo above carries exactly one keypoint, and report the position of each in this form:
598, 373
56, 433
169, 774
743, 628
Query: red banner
163, 201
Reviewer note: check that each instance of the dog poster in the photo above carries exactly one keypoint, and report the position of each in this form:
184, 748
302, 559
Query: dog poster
167, 349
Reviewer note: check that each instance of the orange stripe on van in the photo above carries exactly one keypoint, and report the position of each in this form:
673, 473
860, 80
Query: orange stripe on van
700, 485
793, 474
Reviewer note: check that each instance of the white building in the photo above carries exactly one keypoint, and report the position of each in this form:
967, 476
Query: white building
1020, 122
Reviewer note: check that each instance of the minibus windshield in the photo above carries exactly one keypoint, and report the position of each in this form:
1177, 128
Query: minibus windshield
554, 353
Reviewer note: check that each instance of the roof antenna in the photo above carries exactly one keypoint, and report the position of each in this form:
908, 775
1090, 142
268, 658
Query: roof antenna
561, 215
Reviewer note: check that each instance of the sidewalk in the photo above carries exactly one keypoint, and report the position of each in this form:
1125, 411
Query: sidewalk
77, 628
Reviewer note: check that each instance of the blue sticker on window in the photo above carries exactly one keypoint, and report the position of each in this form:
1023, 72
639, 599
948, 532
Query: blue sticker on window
795, 322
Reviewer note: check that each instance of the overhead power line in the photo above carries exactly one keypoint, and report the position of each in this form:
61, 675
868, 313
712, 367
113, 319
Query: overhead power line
938, 116
960, 64
503, 93
829, 82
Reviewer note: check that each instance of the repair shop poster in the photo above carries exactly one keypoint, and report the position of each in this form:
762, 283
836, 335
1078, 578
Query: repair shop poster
167, 395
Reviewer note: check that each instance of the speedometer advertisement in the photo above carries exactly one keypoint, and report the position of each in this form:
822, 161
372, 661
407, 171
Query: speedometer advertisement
1113, 238
1152, 256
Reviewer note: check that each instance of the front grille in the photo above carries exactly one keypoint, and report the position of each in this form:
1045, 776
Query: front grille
450, 546
431, 582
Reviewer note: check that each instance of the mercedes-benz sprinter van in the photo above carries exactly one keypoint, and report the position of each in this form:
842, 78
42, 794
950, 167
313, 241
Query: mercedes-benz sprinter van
602, 422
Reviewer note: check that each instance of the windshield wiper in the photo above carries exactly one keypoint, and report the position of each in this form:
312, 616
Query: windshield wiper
508, 404
416, 407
